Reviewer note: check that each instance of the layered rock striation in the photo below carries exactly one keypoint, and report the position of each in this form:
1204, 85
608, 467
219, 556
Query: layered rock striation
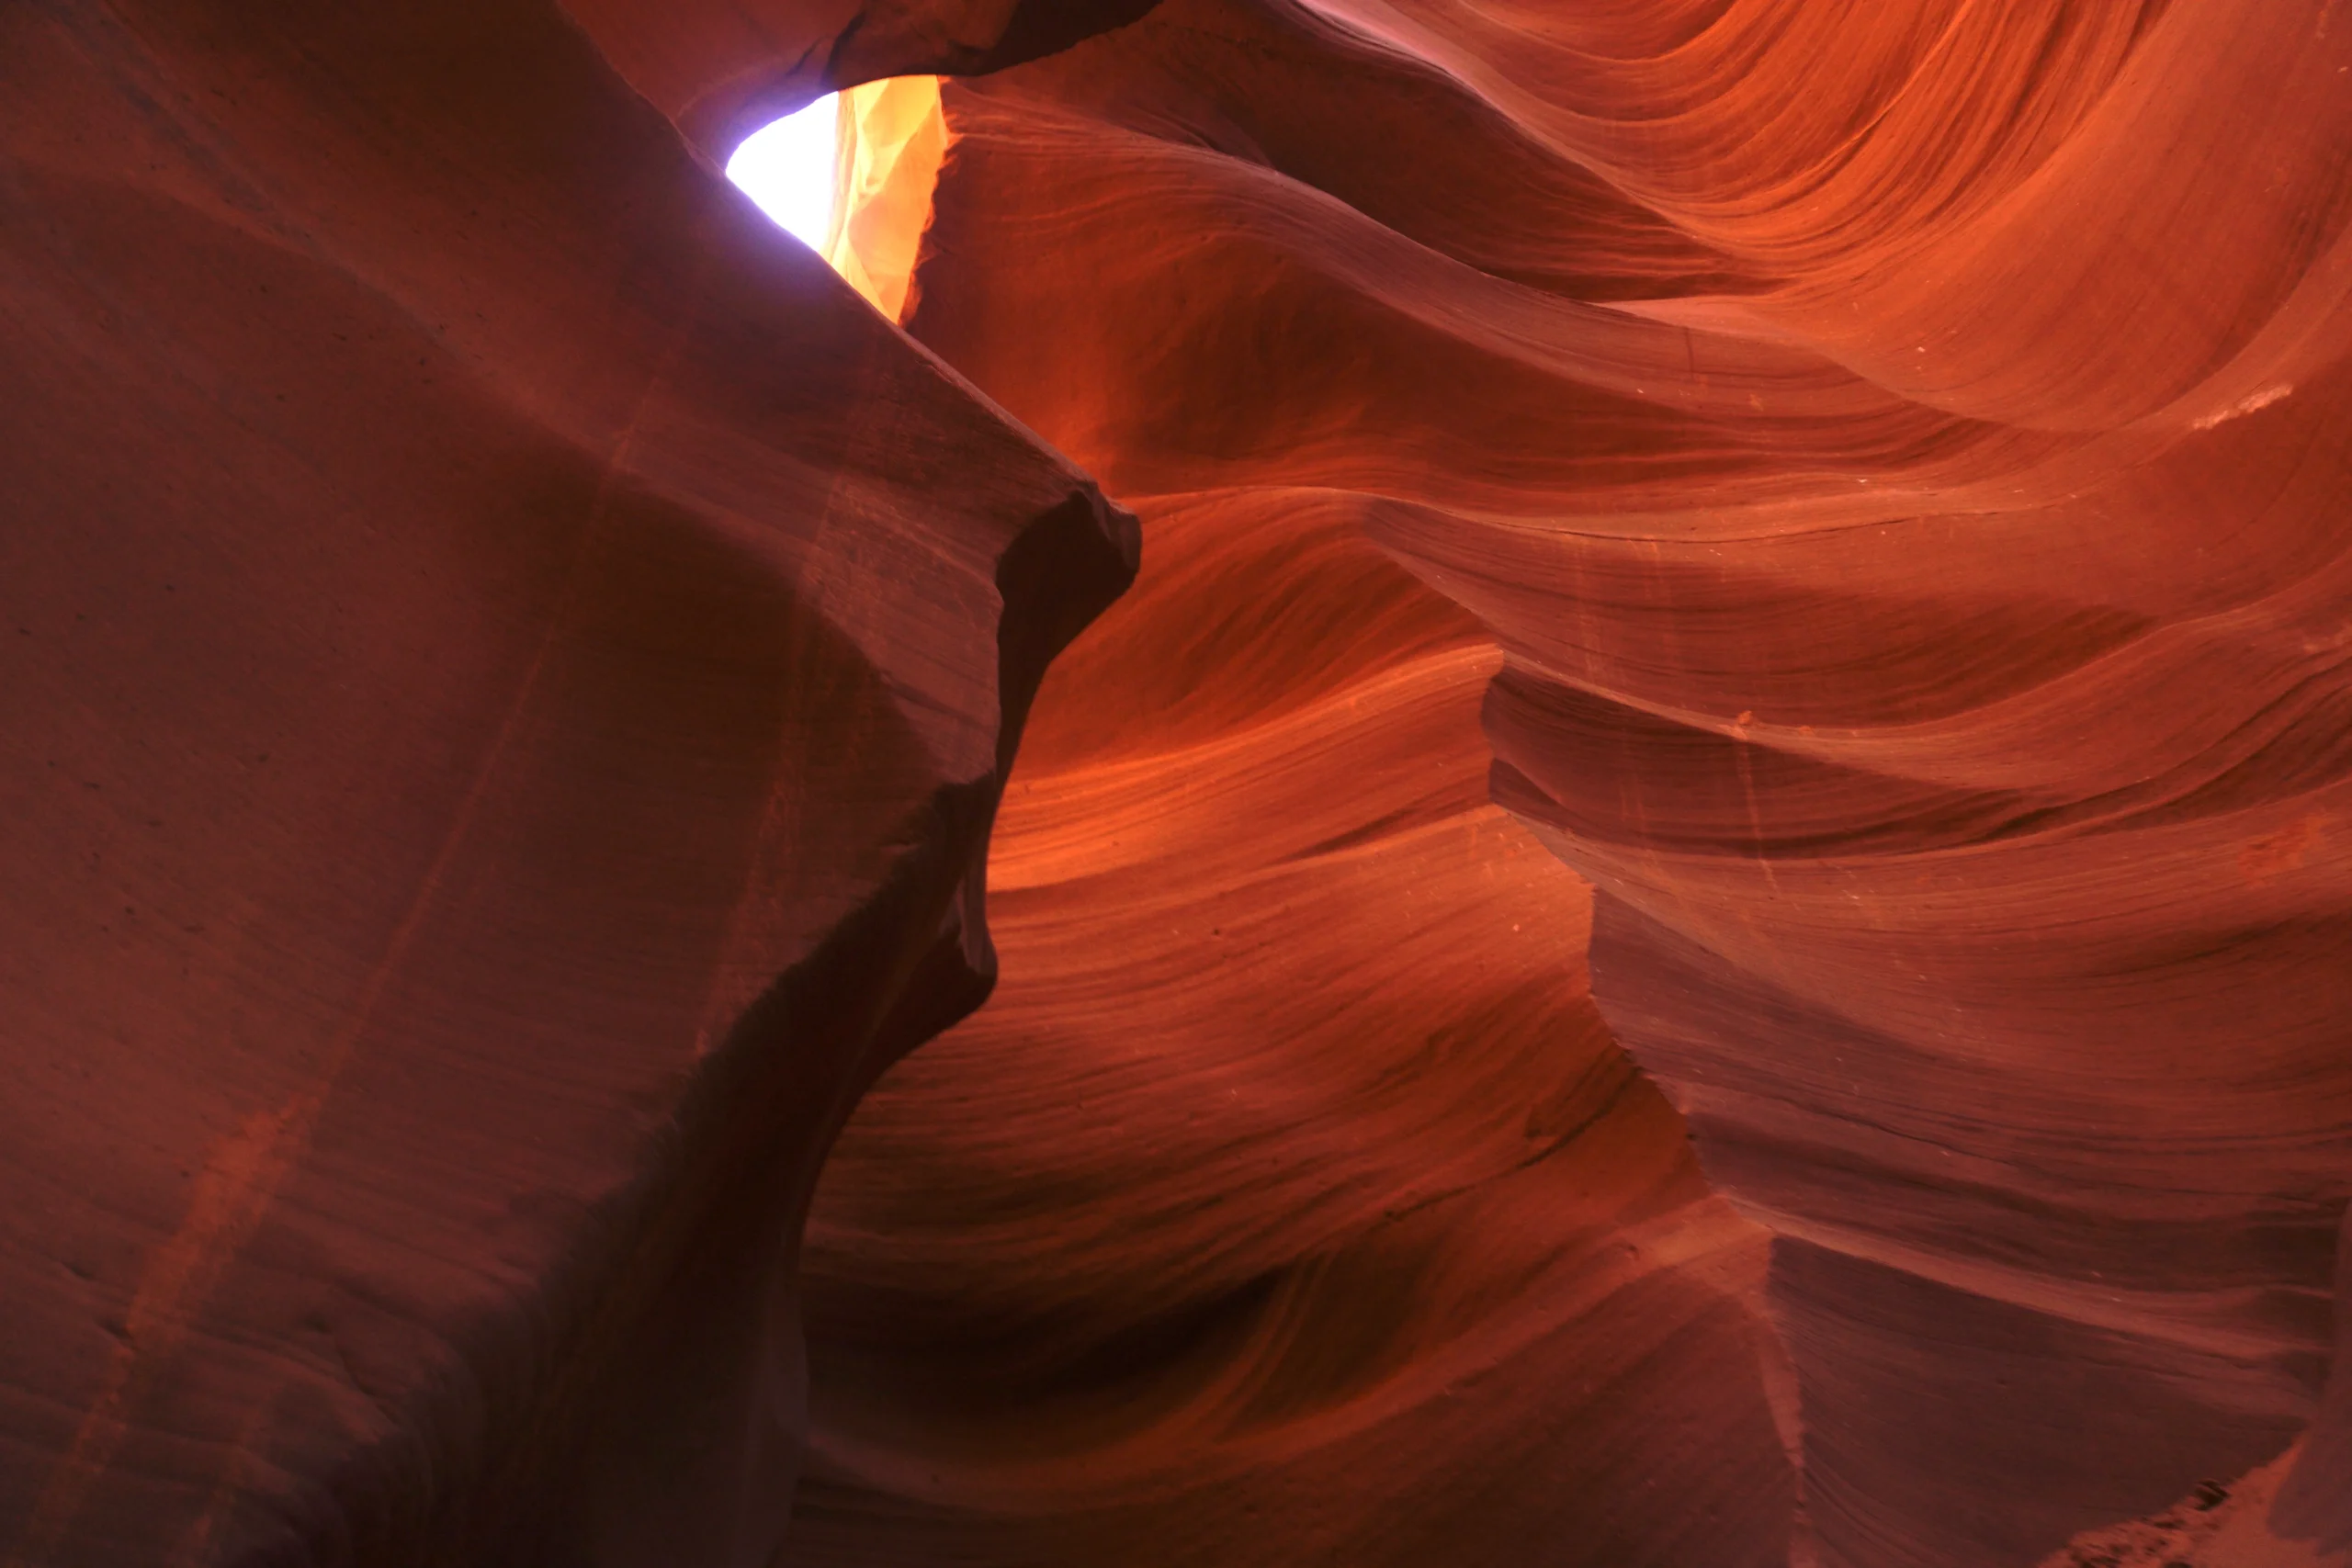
1289, 1203
1697, 914
1901, 460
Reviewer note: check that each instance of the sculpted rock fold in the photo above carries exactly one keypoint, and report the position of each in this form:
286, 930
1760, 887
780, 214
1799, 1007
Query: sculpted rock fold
1796, 547
1289, 1203
1902, 460
509, 667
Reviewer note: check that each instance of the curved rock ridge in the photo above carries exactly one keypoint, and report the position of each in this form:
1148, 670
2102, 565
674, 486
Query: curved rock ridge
509, 667
1289, 1203
1900, 455
1699, 916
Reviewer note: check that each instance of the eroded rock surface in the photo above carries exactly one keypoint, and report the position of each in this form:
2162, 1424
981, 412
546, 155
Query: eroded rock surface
1289, 1203
1699, 915
1901, 458
508, 669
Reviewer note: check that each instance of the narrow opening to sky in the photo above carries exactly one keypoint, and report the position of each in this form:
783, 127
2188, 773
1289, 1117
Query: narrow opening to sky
787, 168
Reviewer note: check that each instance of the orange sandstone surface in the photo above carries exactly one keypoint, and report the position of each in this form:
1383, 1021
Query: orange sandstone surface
1695, 913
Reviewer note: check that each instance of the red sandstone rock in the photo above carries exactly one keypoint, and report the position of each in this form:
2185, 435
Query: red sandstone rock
1903, 460
1289, 1203
508, 667
721, 69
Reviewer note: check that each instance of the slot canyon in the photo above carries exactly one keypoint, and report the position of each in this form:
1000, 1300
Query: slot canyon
1381, 784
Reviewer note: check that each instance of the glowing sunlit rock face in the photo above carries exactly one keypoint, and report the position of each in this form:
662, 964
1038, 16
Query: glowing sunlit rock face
1697, 913
850, 175
1897, 465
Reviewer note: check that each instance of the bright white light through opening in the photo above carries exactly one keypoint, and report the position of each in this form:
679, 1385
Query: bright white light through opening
851, 178
790, 168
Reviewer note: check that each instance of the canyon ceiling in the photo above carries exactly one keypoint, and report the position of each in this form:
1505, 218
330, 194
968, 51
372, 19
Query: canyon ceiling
1637, 714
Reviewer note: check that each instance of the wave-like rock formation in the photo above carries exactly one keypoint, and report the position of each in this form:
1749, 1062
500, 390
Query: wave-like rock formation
1901, 458
1289, 1201
1698, 913
508, 668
